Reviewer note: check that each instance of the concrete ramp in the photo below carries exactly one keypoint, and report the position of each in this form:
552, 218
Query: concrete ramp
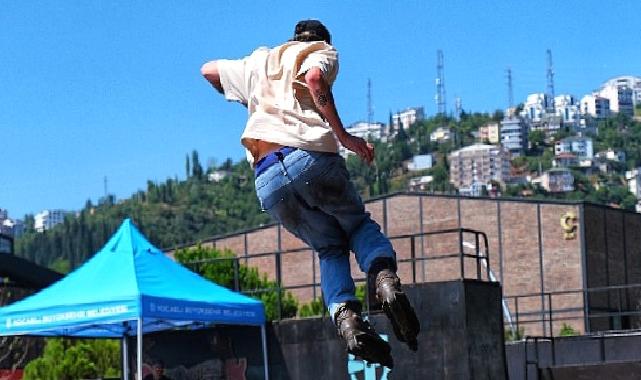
619, 371
461, 338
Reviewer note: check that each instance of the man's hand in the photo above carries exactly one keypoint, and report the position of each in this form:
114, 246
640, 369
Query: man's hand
357, 145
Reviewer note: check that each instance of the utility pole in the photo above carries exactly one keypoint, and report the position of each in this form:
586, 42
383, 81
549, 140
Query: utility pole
550, 83
440, 84
105, 187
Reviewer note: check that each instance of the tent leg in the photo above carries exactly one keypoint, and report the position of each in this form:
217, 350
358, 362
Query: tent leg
139, 350
263, 337
125, 358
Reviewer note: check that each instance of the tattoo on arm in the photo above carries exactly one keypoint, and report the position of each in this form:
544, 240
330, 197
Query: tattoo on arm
323, 98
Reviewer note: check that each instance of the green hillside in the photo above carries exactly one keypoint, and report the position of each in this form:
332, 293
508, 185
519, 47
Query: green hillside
169, 213
175, 212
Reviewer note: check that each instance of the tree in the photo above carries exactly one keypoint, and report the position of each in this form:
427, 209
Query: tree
537, 141
223, 268
67, 359
196, 168
187, 166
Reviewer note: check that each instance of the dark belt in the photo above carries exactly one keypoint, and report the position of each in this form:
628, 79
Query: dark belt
272, 158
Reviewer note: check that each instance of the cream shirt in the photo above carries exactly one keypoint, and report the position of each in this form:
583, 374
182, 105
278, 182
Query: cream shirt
281, 110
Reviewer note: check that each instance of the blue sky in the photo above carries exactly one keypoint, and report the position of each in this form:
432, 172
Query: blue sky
90, 89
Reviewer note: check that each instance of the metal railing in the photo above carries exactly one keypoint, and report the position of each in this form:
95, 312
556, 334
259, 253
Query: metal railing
614, 307
480, 255
553, 356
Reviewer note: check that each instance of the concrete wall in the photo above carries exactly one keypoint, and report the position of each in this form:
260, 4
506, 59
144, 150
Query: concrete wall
461, 338
585, 356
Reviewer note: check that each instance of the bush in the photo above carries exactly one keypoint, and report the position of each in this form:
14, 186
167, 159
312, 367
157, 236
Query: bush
313, 309
512, 335
218, 266
67, 359
567, 330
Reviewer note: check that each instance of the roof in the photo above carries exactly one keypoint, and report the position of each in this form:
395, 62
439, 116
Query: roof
126, 281
24, 273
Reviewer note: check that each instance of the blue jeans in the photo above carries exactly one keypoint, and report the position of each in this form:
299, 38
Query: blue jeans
311, 195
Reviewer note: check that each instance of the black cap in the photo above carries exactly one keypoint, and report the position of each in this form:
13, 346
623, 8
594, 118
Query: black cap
311, 30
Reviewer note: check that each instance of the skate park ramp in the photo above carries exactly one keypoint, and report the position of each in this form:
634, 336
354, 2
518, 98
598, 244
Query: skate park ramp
461, 338
603, 355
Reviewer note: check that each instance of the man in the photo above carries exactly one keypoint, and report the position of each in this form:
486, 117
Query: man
291, 140
158, 373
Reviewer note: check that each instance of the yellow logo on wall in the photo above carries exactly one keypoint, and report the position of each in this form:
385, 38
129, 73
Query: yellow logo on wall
569, 225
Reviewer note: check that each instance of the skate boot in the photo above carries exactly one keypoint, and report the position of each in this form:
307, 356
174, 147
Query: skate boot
397, 307
361, 339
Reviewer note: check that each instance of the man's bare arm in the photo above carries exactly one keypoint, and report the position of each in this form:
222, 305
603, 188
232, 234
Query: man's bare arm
324, 101
210, 72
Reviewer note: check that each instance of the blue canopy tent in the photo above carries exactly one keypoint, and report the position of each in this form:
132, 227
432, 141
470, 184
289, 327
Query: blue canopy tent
129, 288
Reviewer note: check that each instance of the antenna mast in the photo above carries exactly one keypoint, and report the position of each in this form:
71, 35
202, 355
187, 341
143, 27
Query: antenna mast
550, 80
440, 84
510, 90
370, 111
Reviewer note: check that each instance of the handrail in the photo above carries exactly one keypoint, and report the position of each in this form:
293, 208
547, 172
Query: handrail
480, 255
548, 314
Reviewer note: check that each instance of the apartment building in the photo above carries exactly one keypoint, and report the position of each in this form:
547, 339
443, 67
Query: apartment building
596, 106
629, 81
368, 131
557, 180
490, 132
620, 98
46, 219
580, 146
407, 117
535, 107
479, 164
567, 108
514, 133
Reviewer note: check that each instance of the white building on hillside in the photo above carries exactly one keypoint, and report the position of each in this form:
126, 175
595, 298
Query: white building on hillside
611, 155
580, 146
634, 181
630, 81
407, 117
566, 107
620, 99
534, 107
48, 218
368, 131
441, 135
595, 106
